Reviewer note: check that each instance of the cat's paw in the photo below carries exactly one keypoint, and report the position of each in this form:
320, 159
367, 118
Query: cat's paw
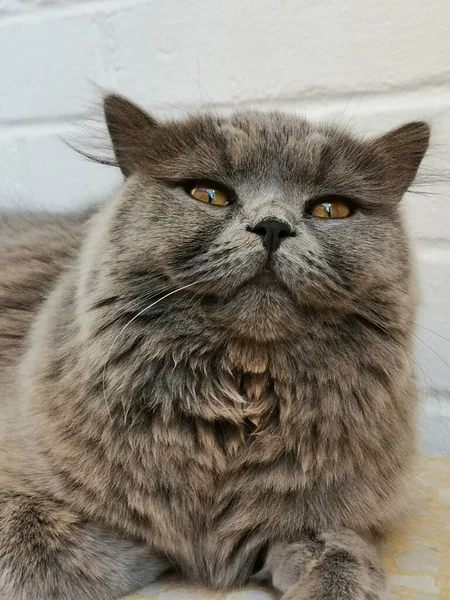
331, 566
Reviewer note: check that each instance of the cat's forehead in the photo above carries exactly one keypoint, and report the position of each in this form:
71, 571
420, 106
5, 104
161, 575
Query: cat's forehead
289, 148
259, 142
261, 130
259, 147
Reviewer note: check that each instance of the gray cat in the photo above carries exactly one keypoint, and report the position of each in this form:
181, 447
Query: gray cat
211, 372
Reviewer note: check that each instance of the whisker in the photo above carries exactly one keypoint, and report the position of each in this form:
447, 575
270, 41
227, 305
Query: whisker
127, 325
370, 316
431, 349
430, 331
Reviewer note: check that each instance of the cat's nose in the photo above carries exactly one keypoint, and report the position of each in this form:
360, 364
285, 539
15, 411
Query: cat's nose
272, 232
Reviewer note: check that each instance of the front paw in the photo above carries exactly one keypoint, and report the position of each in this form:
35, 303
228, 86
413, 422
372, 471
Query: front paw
332, 566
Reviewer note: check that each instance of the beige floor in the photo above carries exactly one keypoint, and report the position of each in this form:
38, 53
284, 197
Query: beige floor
417, 557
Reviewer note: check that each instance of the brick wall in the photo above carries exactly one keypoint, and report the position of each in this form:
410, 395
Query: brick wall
370, 66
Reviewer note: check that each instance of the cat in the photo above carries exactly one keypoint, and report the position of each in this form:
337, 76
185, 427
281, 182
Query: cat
210, 372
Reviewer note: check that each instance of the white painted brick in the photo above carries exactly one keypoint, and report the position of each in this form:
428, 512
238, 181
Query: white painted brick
434, 425
264, 49
433, 331
14, 188
48, 68
61, 179
14, 6
9, 6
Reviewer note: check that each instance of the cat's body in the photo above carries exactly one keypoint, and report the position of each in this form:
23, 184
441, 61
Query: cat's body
177, 398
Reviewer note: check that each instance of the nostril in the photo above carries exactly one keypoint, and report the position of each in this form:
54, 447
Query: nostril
271, 232
259, 229
286, 233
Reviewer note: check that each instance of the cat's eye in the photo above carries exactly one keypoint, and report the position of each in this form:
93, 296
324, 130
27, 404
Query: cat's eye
210, 194
331, 209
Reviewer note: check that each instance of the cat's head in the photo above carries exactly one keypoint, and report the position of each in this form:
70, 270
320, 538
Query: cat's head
267, 216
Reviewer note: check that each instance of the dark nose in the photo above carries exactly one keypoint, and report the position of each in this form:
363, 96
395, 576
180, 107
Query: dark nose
272, 233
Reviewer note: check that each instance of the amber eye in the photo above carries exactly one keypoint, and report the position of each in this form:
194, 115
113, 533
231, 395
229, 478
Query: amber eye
333, 209
210, 195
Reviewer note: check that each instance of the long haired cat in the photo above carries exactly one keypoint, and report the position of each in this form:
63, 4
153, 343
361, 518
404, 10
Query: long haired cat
210, 372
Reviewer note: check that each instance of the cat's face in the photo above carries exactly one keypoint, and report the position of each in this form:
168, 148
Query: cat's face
304, 218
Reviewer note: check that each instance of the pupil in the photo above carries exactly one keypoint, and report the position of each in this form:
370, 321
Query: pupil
210, 193
327, 207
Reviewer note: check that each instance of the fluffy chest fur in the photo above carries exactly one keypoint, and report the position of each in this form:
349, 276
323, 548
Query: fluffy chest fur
212, 456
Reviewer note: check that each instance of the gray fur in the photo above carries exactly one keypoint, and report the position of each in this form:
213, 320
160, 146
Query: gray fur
181, 393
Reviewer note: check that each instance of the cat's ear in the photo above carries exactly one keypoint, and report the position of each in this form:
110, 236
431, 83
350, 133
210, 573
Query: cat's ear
130, 129
403, 150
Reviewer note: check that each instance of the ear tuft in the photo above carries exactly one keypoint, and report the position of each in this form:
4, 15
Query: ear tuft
130, 128
403, 150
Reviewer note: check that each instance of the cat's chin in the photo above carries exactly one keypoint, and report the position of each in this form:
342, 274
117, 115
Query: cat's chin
266, 279
265, 285
261, 310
